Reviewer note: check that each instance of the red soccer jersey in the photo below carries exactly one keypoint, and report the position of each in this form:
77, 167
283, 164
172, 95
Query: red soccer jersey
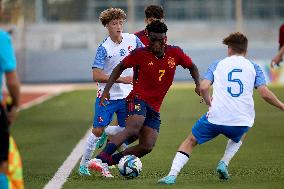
143, 37
281, 36
154, 75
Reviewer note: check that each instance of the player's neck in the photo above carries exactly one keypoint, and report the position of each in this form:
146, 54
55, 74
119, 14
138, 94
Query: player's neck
116, 39
237, 54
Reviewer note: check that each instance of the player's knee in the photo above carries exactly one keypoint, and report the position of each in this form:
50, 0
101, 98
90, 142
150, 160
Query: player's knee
191, 140
98, 131
145, 149
132, 132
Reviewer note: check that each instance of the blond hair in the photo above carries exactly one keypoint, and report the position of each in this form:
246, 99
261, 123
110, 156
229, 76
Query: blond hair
111, 14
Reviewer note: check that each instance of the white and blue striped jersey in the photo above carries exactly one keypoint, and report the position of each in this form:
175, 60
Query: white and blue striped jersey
234, 79
109, 55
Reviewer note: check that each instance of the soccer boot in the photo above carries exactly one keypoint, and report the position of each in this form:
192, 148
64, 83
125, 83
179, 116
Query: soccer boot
98, 166
101, 141
170, 179
84, 171
222, 171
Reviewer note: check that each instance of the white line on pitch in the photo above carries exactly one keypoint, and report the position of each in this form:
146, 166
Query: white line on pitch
65, 169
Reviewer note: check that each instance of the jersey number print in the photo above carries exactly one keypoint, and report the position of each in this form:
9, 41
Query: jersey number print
162, 73
238, 81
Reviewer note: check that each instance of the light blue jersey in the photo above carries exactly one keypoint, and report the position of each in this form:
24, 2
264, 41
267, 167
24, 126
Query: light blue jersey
7, 57
109, 55
234, 79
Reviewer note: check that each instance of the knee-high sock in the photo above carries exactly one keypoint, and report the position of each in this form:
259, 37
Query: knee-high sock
3, 181
231, 149
112, 130
89, 148
178, 163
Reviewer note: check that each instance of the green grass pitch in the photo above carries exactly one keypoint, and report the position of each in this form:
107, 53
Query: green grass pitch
47, 133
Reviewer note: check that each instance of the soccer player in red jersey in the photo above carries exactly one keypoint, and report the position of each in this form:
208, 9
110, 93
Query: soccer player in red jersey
156, 65
152, 12
279, 56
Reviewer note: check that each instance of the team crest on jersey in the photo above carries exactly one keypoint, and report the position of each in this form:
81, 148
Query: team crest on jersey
150, 63
122, 52
130, 48
171, 62
137, 107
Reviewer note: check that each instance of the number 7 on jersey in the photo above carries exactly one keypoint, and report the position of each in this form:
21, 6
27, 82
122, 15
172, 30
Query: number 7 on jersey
162, 73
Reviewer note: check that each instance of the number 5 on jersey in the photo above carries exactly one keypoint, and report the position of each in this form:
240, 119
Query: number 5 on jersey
238, 81
162, 73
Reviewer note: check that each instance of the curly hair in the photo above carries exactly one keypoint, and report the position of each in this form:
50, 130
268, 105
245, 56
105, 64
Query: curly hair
111, 14
157, 27
237, 41
154, 11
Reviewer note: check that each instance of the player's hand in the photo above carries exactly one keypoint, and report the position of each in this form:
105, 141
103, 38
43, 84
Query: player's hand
11, 114
127, 80
197, 90
276, 60
282, 108
104, 98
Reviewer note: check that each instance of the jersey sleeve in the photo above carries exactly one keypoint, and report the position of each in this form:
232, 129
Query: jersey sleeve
184, 60
138, 42
209, 74
7, 54
100, 58
259, 78
130, 61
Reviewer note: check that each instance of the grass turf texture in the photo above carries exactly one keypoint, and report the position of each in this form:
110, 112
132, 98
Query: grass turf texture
47, 133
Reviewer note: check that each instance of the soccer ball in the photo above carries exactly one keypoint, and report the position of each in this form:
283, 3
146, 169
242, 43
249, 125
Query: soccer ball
130, 166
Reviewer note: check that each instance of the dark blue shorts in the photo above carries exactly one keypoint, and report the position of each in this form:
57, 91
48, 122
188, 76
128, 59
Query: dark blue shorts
140, 107
104, 114
204, 131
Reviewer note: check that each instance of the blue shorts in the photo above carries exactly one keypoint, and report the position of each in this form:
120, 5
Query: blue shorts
104, 114
204, 131
140, 107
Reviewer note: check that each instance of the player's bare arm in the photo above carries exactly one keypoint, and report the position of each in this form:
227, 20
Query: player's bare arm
278, 58
13, 86
205, 91
270, 97
112, 79
195, 75
100, 76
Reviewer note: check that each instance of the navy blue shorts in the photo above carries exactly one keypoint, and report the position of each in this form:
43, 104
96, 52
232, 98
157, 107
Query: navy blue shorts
204, 131
104, 114
140, 107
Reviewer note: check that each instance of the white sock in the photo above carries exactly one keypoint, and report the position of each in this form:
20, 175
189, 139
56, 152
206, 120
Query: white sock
89, 148
231, 149
178, 163
112, 130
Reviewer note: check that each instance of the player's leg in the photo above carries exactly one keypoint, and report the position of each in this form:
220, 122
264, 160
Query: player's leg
147, 136
103, 116
236, 137
180, 159
104, 159
137, 113
147, 140
202, 132
4, 148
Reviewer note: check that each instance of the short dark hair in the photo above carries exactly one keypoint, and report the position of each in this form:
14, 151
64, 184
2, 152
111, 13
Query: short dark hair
154, 11
236, 41
157, 27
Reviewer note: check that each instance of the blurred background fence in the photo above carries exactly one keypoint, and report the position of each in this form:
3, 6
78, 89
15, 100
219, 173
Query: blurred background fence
56, 40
